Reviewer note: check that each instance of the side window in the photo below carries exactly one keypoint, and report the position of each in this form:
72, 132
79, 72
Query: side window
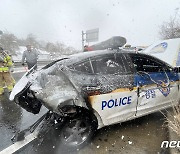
124, 60
107, 65
147, 65
83, 67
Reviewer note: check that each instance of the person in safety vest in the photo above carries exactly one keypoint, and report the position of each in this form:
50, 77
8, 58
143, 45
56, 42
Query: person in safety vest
5, 75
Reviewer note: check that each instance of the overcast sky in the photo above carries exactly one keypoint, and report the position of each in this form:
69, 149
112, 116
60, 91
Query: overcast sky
63, 20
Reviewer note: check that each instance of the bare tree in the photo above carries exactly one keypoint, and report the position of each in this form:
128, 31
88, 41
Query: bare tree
9, 42
31, 39
171, 29
59, 49
51, 47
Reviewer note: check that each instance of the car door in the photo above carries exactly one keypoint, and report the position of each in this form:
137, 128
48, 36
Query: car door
82, 77
157, 84
117, 100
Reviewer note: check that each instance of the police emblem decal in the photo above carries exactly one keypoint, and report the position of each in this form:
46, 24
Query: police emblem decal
165, 90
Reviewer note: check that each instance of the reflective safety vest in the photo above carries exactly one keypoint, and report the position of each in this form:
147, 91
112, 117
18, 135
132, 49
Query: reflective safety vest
6, 63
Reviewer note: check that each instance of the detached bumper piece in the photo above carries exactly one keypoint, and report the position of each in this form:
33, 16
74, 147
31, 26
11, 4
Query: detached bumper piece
19, 136
49, 119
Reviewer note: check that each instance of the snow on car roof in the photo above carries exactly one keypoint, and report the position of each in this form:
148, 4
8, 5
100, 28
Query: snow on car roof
96, 53
75, 58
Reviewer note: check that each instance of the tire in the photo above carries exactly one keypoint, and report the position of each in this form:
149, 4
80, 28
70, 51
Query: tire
77, 132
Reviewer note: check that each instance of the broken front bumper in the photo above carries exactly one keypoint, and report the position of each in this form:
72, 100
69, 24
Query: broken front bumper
27, 100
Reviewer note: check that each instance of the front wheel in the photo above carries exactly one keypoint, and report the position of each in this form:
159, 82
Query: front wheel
77, 132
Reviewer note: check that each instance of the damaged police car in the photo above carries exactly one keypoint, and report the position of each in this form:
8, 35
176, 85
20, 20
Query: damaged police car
98, 88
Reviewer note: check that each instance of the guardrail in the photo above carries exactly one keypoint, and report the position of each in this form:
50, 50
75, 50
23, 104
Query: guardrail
18, 63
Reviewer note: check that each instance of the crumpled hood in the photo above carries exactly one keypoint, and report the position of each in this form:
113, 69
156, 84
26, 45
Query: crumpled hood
55, 88
51, 86
20, 85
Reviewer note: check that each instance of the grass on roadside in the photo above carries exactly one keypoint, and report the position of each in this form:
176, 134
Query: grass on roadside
173, 119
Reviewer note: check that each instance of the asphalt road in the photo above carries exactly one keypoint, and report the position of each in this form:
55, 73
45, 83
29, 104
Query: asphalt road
143, 135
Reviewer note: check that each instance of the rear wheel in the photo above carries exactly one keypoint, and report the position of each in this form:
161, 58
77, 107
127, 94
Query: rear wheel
77, 132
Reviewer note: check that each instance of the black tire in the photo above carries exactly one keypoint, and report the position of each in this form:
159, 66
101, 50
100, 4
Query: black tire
77, 132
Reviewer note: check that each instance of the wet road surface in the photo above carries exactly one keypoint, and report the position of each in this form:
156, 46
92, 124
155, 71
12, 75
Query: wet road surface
143, 135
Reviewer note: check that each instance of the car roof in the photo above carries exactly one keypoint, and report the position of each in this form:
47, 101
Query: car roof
93, 53
96, 53
75, 58
104, 52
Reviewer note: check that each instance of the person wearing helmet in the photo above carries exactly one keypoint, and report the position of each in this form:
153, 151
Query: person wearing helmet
5, 75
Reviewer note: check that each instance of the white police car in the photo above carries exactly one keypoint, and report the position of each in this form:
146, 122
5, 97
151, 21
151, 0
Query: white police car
98, 88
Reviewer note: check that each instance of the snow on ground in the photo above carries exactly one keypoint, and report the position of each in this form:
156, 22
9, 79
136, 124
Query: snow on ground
23, 48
